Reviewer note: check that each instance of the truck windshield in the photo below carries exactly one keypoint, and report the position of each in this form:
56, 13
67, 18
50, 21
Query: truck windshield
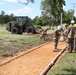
21, 19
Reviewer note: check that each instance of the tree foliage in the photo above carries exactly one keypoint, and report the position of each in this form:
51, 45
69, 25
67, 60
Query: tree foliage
52, 8
68, 16
37, 21
6, 18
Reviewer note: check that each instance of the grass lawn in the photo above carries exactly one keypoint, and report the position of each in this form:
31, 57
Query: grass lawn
13, 43
67, 66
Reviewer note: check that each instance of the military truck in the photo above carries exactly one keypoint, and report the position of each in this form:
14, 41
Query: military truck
20, 25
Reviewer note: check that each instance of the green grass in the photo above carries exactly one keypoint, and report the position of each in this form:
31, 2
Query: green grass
12, 43
1, 51
67, 66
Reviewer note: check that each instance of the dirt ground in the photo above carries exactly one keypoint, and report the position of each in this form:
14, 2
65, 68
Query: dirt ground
32, 63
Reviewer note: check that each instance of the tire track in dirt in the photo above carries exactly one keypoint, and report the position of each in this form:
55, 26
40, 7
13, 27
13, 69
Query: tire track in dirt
32, 63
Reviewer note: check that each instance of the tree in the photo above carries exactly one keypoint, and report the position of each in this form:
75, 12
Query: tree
45, 19
11, 17
39, 21
68, 16
34, 20
1, 19
71, 13
52, 8
2, 13
6, 18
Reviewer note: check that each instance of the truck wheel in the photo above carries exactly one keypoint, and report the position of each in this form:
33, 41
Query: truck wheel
14, 30
30, 30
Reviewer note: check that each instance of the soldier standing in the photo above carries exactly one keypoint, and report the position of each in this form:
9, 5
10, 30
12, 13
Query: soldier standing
75, 39
70, 36
65, 32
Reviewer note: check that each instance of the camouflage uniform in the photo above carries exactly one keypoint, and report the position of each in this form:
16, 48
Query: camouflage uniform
65, 33
70, 37
75, 39
56, 38
44, 34
40, 31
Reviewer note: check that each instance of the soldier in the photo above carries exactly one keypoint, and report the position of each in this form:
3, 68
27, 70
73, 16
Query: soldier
65, 32
40, 30
57, 35
75, 39
70, 36
44, 33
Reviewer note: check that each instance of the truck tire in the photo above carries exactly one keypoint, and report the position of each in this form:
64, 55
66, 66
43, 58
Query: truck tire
30, 30
14, 30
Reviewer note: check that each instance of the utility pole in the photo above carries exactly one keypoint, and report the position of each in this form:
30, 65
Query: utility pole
61, 19
73, 5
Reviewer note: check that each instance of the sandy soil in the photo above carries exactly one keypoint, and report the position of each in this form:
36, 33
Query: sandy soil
32, 63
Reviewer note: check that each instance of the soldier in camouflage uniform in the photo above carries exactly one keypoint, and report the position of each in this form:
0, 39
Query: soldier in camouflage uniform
70, 36
44, 34
75, 39
57, 35
65, 32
